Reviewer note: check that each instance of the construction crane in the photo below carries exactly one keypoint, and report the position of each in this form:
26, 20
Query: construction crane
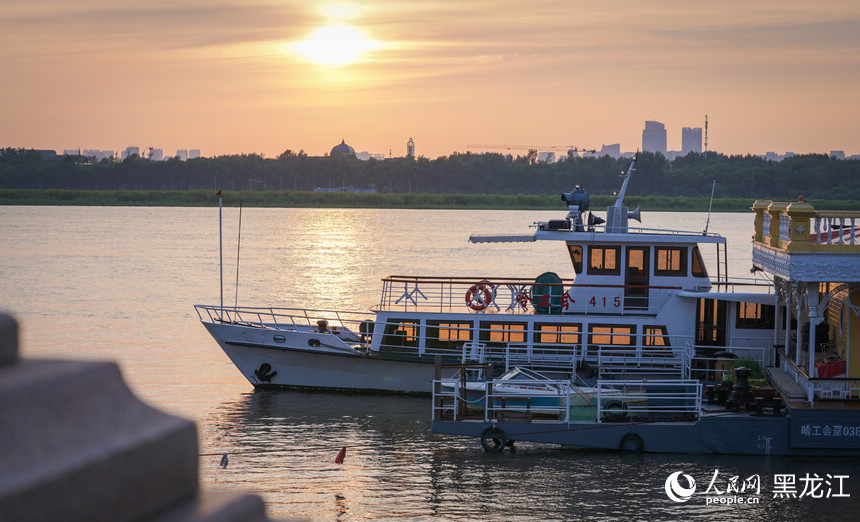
569, 149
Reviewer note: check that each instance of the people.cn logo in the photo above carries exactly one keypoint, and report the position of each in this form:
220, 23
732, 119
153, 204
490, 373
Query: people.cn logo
677, 492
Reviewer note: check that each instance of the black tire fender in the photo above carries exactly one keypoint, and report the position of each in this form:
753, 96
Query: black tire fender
615, 411
631, 443
493, 440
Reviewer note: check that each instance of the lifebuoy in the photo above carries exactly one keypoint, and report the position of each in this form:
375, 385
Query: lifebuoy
631, 443
479, 296
493, 440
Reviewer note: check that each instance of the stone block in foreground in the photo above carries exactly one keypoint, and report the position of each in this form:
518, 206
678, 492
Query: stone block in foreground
76, 444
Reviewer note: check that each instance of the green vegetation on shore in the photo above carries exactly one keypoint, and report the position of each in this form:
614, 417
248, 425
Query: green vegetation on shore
288, 199
457, 181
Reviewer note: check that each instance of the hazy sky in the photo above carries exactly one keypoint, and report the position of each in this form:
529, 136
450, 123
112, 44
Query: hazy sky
231, 76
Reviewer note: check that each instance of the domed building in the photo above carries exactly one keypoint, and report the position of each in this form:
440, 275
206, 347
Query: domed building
342, 150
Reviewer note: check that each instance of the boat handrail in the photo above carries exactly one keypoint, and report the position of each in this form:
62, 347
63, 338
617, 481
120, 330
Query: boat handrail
639, 400
615, 360
648, 399
762, 355
512, 280
433, 293
279, 318
662, 232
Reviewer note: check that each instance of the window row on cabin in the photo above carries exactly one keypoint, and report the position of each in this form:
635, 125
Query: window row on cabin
668, 261
448, 335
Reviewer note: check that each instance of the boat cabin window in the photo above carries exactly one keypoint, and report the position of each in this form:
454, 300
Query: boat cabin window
401, 332
655, 336
448, 335
554, 341
503, 333
611, 335
576, 257
670, 261
551, 333
603, 260
699, 269
754, 315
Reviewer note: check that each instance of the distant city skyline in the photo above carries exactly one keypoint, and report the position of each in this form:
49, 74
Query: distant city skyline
231, 77
655, 138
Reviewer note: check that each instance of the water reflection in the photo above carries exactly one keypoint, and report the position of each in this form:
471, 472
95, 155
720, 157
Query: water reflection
283, 446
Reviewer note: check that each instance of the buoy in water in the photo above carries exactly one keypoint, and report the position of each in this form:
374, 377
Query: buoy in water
341, 454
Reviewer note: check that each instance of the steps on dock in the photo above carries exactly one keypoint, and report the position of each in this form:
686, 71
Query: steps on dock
788, 388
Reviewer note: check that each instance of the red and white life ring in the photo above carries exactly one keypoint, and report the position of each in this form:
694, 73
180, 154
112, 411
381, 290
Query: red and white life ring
479, 296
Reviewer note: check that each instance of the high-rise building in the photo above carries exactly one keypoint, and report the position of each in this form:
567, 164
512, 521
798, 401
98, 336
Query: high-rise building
654, 137
613, 151
691, 140
130, 151
410, 149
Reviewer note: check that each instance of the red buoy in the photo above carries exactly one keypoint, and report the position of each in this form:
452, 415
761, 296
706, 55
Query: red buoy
341, 454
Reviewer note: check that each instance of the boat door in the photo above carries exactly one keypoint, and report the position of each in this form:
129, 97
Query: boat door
711, 319
636, 278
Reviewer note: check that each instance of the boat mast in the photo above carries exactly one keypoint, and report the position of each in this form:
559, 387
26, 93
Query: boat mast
620, 202
617, 215
710, 205
221, 254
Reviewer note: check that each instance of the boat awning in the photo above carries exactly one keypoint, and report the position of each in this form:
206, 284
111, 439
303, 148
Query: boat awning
740, 297
509, 238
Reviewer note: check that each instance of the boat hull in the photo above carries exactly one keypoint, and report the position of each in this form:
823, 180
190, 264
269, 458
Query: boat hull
293, 363
799, 433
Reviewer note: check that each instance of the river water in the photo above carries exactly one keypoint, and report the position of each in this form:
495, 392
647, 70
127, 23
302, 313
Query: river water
119, 283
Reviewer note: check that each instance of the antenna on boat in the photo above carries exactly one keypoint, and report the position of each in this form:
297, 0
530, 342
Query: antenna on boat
711, 204
238, 248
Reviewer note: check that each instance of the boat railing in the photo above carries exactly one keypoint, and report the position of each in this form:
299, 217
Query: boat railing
802, 380
514, 295
822, 388
648, 400
836, 228
562, 358
715, 361
743, 284
613, 361
794, 226
290, 319
527, 400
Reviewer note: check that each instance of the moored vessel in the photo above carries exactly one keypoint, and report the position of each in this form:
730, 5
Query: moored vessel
806, 402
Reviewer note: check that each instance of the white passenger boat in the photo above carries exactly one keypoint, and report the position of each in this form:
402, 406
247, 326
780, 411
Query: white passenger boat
641, 304
810, 404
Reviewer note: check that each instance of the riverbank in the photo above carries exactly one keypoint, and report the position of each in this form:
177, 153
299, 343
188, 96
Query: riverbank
291, 199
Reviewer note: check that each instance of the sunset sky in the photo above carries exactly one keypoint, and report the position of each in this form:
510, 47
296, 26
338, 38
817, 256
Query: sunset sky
258, 76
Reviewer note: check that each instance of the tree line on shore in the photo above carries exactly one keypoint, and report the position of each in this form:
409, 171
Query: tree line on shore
814, 176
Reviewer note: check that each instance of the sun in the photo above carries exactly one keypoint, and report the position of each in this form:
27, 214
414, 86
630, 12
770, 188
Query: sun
334, 45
